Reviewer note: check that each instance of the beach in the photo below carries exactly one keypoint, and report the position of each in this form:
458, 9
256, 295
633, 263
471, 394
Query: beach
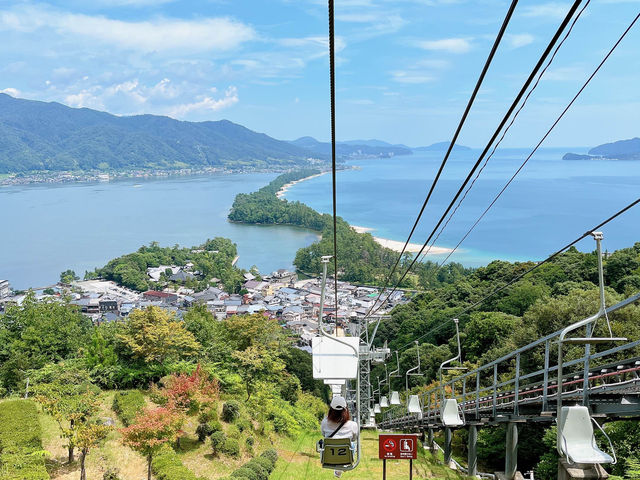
280, 193
396, 245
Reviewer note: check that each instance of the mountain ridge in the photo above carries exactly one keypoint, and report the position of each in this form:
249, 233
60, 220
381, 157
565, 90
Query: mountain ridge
618, 150
37, 136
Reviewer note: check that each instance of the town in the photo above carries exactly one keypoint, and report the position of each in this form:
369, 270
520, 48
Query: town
281, 295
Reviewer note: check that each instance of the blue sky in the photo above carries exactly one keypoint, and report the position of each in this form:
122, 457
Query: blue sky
405, 68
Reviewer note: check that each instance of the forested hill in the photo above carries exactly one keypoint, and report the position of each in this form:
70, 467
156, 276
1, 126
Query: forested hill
51, 136
620, 150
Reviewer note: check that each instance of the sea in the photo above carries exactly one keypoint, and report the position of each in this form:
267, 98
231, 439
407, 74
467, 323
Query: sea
48, 228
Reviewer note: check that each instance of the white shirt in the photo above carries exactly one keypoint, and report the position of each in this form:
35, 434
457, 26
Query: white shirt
348, 430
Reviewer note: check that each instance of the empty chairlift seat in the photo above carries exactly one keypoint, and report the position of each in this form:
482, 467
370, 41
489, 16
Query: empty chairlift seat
576, 438
450, 414
395, 398
414, 404
384, 403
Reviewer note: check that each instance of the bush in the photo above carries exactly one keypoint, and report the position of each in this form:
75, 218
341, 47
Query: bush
111, 474
259, 470
233, 432
218, 440
209, 415
127, 405
265, 463
166, 465
231, 447
230, 411
20, 444
270, 454
250, 441
245, 472
203, 431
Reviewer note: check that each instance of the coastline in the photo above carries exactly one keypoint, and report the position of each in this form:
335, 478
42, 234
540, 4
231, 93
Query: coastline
396, 245
283, 190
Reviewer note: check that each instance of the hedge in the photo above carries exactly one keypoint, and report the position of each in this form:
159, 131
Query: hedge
20, 444
127, 405
166, 465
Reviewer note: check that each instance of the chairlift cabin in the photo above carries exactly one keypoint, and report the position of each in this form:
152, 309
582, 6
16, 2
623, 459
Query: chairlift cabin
575, 438
450, 412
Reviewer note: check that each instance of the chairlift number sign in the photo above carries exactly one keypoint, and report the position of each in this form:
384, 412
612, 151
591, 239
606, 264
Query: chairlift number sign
397, 447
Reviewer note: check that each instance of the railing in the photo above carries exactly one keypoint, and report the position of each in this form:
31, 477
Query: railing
501, 387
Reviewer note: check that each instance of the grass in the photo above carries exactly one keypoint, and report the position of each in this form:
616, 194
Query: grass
297, 456
298, 460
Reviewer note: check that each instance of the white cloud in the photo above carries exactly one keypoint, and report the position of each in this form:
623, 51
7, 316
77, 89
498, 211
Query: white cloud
404, 76
207, 104
450, 45
520, 39
161, 34
546, 10
14, 92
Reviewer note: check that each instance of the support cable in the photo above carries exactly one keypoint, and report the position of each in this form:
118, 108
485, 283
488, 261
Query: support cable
535, 267
332, 82
504, 120
540, 142
506, 130
467, 109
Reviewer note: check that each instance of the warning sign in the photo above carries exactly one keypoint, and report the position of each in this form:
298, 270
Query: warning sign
397, 447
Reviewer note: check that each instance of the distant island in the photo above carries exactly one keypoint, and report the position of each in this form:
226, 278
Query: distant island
353, 148
441, 147
620, 150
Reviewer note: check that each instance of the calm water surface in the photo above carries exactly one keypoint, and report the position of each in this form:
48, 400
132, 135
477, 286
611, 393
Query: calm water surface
49, 228
551, 202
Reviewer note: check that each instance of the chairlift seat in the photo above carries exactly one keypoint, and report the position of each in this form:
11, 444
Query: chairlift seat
376, 408
578, 442
449, 414
336, 453
395, 398
414, 404
384, 403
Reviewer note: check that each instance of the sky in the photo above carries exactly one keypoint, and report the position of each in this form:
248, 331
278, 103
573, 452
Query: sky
405, 69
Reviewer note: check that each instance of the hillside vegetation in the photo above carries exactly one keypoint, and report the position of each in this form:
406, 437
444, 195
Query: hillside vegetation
50, 136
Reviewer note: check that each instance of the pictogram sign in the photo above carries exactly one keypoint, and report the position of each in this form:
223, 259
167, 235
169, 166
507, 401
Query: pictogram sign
397, 447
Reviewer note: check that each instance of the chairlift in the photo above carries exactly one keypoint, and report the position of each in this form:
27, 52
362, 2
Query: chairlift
394, 395
413, 401
450, 412
575, 438
337, 360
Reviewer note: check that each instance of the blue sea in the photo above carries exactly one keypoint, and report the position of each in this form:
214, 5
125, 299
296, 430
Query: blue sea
49, 228
549, 204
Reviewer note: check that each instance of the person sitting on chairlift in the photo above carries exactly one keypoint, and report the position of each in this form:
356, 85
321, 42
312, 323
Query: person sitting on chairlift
338, 423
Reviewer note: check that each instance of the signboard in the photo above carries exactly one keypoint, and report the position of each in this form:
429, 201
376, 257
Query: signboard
397, 447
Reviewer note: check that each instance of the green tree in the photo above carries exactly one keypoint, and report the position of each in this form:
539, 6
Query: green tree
68, 276
155, 336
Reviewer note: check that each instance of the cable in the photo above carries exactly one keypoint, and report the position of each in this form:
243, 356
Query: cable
504, 120
506, 130
543, 139
536, 266
487, 63
332, 81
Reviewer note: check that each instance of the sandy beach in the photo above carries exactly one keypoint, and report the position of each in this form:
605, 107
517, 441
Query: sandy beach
280, 193
396, 245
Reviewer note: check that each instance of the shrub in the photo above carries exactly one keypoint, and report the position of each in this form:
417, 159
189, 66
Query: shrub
203, 431
259, 470
127, 405
218, 440
245, 472
209, 415
230, 411
250, 441
167, 466
215, 426
20, 444
233, 432
231, 447
111, 474
270, 454
265, 463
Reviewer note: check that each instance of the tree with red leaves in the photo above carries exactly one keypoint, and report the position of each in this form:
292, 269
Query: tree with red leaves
151, 430
191, 393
